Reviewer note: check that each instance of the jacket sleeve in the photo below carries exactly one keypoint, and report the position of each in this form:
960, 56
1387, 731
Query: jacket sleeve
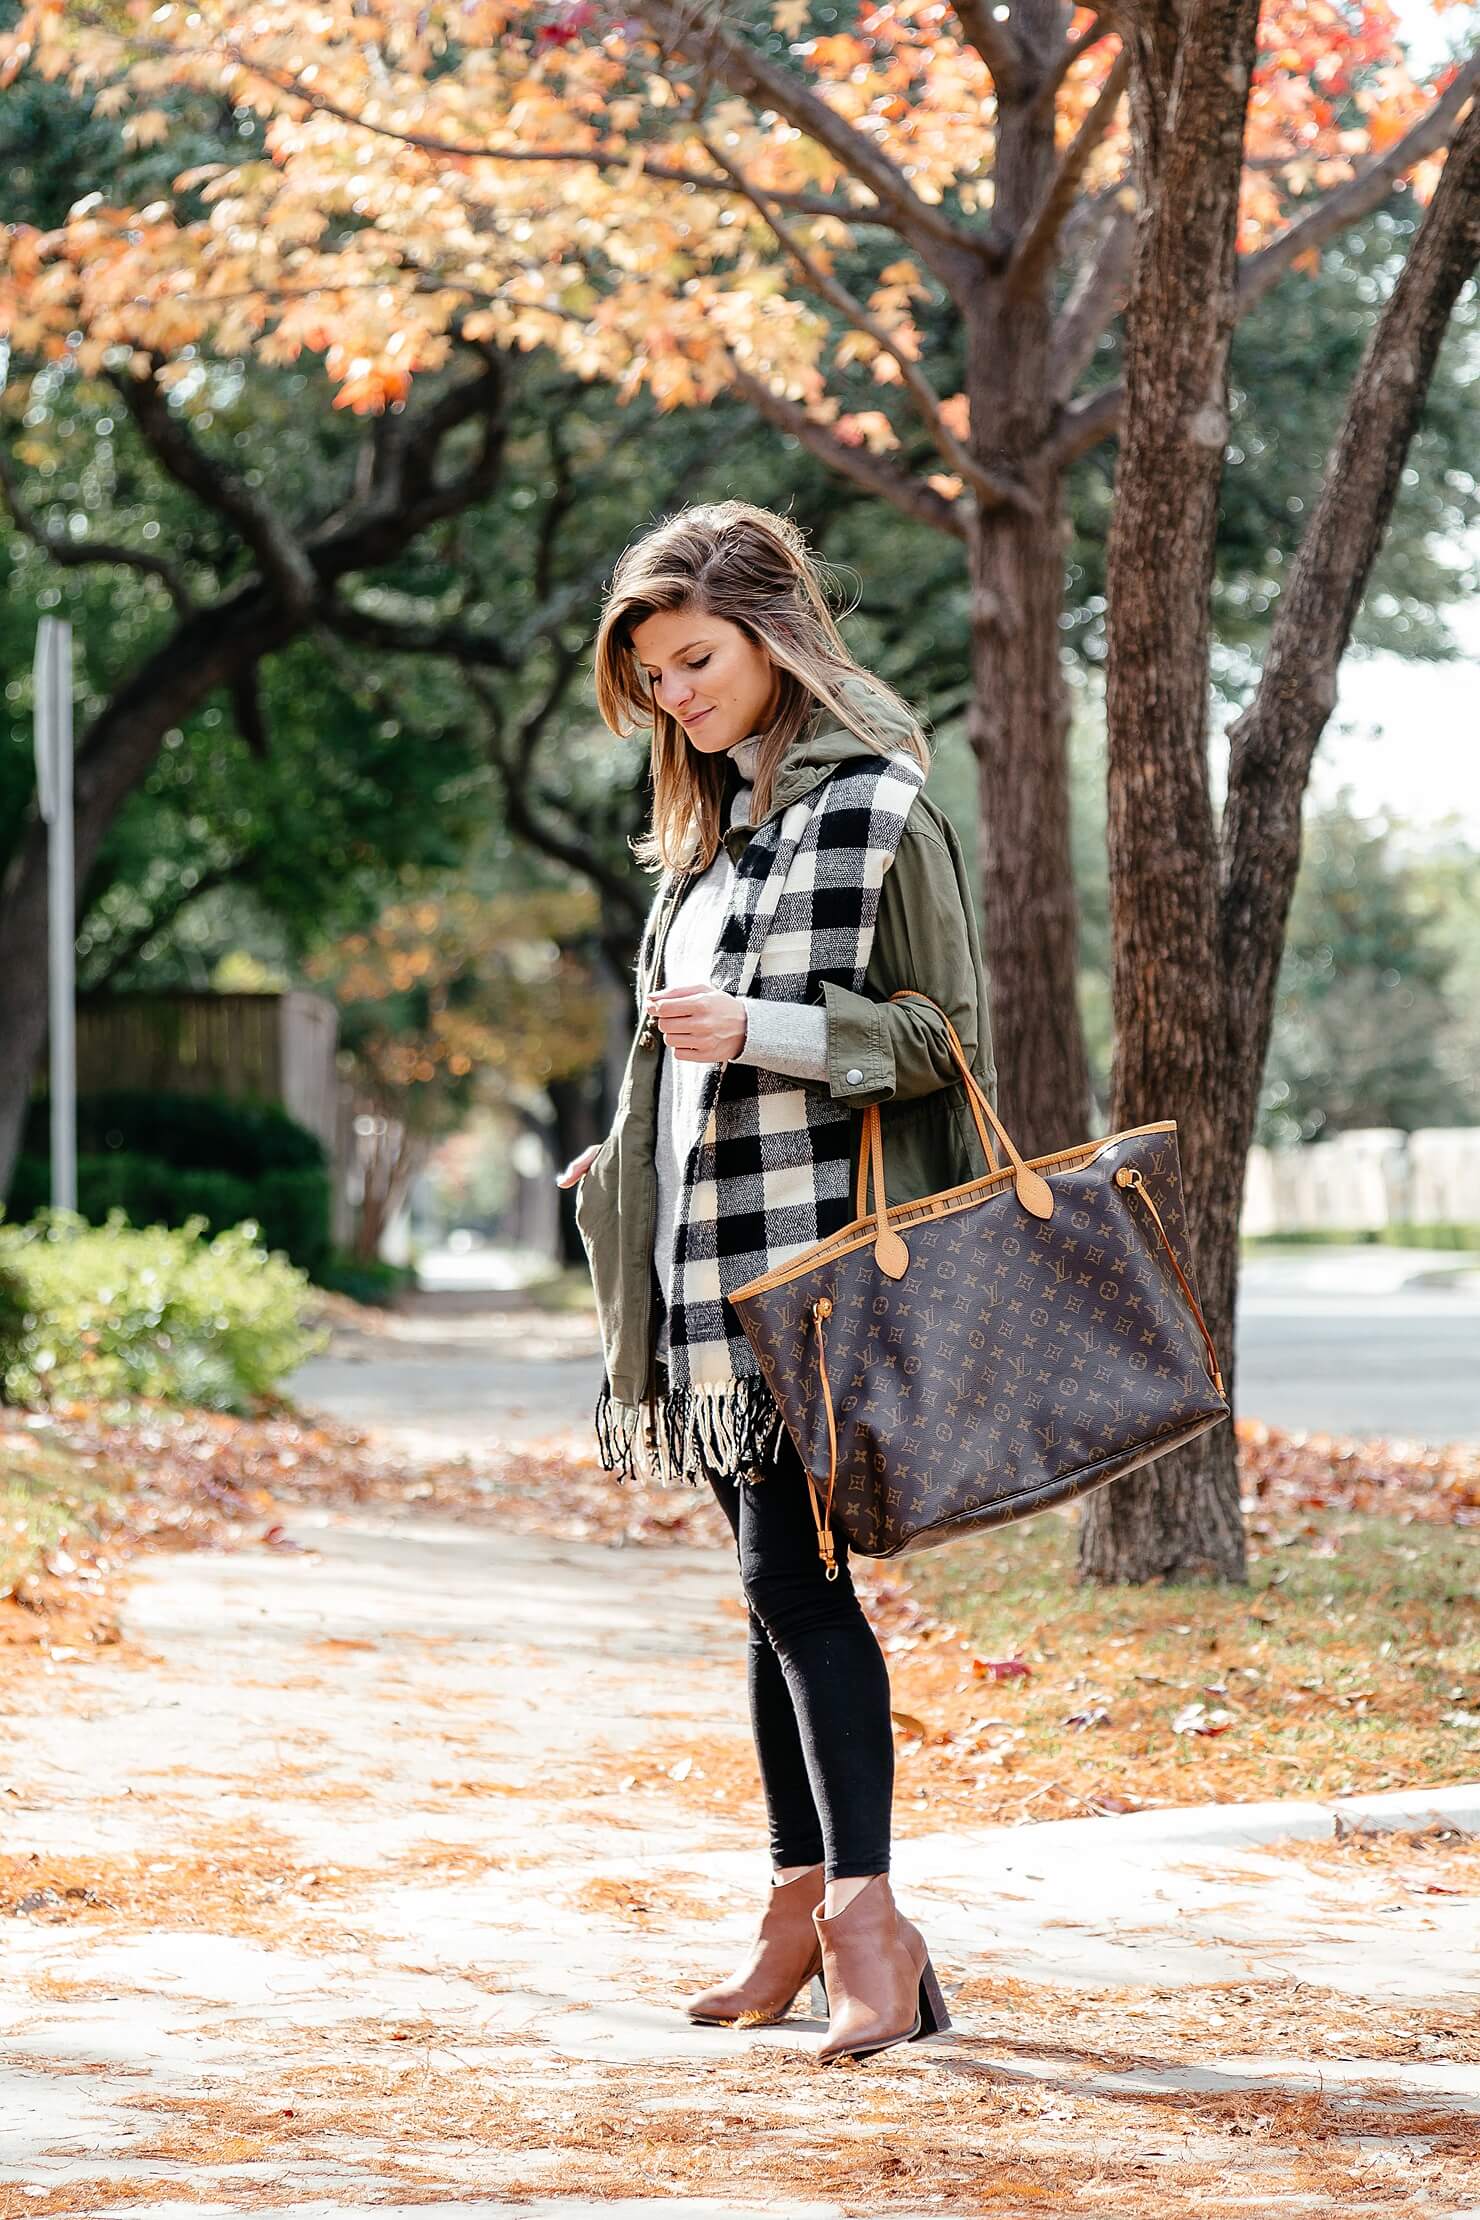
925, 937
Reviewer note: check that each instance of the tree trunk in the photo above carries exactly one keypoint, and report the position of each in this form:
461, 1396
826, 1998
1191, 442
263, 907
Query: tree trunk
389, 1166
1018, 719
1017, 723
1178, 1518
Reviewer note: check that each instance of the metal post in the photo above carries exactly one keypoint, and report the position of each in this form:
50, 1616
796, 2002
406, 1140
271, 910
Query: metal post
54, 785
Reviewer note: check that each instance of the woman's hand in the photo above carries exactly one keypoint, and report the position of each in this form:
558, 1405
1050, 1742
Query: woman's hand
702, 1025
578, 1166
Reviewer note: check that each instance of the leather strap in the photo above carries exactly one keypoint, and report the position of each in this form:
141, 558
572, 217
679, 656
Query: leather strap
1129, 1176
822, 1518
1033, 1191
860, 1200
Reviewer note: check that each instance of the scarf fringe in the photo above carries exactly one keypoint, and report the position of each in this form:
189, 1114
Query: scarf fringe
730, 1427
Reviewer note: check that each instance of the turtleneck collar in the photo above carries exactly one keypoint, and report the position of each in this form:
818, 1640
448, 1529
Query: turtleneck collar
746, 754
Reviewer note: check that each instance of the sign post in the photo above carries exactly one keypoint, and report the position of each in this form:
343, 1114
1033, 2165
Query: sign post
54, 787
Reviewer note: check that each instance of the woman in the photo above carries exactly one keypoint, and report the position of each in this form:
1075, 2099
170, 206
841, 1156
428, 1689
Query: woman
804, 877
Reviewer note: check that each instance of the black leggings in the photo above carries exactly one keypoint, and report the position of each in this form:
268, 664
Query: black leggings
817, 1681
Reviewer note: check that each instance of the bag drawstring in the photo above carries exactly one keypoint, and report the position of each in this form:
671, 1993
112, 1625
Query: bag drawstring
823, 1519
1129, 1176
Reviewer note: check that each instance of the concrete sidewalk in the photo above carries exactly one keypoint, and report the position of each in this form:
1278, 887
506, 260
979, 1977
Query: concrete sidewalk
392, 1904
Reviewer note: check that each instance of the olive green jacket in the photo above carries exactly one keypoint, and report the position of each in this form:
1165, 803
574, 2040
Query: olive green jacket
895, 1054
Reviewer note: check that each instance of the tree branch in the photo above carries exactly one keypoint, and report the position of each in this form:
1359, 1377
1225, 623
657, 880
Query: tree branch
403, 636
1079, 428
1074, 51
1363, 194
1038, 240
751, 76
1086, 422
911, 496
283, 559
1273, 743
76, 554
1095, 300
997, 46
573, 849
404, 493
995, 489
667, 173
117, 956
250, 713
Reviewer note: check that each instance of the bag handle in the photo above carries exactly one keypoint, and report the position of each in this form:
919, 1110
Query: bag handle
1033, 1191
984, 1134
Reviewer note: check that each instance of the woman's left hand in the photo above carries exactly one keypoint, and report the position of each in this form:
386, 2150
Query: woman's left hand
702, 1025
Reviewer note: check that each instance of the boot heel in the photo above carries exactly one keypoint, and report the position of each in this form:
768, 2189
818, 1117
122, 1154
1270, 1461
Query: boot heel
819, 1997
934, 2018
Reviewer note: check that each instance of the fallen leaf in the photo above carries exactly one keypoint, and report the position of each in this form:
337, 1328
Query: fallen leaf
1197, 1719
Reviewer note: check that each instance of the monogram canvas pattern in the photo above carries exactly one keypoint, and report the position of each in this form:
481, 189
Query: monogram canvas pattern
1018, 1362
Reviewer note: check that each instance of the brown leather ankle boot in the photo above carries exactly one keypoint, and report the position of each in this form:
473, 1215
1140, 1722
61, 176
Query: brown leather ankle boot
784, 1955
881, 1986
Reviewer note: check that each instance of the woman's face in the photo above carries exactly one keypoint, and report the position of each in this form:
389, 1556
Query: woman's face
719, 683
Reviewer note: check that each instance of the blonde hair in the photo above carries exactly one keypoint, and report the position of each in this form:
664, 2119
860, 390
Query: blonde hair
732, 559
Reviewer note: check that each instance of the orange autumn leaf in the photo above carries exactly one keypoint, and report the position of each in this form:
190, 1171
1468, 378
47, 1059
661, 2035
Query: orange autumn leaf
395, 202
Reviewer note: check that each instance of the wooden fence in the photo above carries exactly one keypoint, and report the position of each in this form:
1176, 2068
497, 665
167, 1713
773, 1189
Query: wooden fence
260, 1047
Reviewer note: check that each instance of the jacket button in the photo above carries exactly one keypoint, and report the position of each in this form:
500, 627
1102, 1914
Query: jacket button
854, 1077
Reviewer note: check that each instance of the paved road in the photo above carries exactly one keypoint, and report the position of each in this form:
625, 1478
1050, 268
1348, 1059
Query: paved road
1358, 1341
1362, 1341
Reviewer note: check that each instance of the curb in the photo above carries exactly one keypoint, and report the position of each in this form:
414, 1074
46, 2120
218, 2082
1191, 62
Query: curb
1249, 1825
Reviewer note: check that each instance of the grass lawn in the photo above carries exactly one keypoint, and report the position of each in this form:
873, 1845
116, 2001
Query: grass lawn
1351, 1661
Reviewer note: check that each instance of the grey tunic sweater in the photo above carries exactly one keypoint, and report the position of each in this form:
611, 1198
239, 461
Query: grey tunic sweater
789, 1037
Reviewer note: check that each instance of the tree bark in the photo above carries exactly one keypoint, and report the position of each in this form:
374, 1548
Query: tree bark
1199, 922
1018, 718
1178, 1518
1017, 724
389, 1165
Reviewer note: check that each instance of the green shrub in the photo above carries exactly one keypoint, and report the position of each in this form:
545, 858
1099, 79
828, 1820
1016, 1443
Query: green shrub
1438, 1235
364, 1280
12, 1323
290, 1204
157, 1311
194, 1133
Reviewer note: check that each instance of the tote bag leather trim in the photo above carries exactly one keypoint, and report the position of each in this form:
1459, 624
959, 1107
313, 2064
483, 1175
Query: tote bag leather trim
860, 1230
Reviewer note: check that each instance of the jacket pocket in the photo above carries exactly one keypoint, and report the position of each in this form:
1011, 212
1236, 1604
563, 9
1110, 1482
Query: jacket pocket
596, 1201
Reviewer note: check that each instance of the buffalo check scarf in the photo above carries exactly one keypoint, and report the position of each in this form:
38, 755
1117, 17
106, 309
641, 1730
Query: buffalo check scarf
771, 1170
